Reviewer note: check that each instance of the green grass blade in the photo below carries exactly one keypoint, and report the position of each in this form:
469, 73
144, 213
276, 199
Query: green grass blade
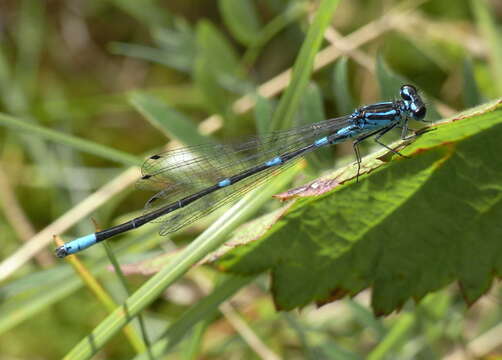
204, 309
396, 336
292, 13
472, 96
171, 122
345, 103
176, 47
241, 19
12, 313
367, 319
148, 12
148, 53
216, 62
68, 140
263, 111
290, 101
492, 36
30, 36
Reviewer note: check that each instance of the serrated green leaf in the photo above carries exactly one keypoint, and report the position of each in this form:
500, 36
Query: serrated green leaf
242, 19
409, 228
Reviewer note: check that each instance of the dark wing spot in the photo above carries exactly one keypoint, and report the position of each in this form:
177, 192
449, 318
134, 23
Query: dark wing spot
153, 199
145, 177
155, 157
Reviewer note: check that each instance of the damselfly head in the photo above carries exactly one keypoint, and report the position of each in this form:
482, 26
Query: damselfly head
413, 103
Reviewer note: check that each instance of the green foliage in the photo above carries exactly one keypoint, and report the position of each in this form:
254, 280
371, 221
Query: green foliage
170, 122
215, 68
341, 87
242, 19
68, 140
322, 247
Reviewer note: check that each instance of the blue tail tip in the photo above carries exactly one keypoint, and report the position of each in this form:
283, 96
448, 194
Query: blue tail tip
76, 245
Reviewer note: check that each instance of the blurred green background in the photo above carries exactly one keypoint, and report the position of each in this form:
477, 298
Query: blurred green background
128, 76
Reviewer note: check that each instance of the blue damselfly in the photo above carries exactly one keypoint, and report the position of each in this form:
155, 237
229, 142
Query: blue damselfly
193, 181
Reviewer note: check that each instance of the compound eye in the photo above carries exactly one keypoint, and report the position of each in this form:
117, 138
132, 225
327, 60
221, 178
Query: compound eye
407, 92
405, 96
420, 113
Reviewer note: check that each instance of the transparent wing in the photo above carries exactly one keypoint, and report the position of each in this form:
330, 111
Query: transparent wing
209, 163
201, 207
182, 172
